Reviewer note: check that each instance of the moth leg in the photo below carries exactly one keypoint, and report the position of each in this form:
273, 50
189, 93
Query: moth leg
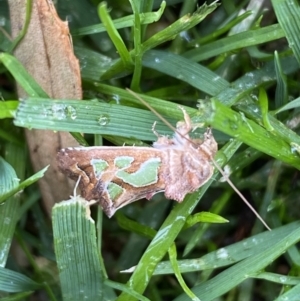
162, 141
208, 133
76, 186
184, 127
92, 202
154, 131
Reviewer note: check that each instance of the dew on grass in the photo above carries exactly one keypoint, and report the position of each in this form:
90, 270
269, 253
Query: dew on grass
58, 111
71, 112
103, 119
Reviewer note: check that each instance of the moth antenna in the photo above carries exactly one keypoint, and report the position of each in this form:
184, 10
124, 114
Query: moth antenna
239, 194
152, 110
165, 121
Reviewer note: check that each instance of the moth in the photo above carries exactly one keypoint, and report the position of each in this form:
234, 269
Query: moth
118, 176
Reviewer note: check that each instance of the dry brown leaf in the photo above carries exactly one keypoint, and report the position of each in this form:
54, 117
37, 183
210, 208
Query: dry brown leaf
47, 53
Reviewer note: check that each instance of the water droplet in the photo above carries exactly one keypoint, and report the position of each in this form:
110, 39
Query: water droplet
46, 112
254, 240
295, 148
106, 44
227, 173
222, 253
222, 158
71, 112
185, 36
58, 111
7, 220
103, 119
157, 60
233, 125
215, 79
2, 21
283, 279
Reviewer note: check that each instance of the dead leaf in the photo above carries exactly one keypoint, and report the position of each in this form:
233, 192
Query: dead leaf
47, 53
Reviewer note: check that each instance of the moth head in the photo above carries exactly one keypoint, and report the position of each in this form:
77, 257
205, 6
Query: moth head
183, 128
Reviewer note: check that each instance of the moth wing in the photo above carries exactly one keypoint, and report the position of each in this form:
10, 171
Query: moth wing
114, 176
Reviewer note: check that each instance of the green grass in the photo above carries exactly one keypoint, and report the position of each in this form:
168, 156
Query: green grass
237, 74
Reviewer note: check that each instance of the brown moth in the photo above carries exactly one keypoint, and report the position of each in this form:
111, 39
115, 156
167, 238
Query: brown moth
117, 176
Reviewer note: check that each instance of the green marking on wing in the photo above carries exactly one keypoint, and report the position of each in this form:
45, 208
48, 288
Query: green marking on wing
146, 175
123, 161
99, 166
114, 190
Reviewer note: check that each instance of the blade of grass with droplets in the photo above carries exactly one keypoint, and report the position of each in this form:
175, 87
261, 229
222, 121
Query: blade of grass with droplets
281, 94
8, 211
209, 82
128, 21
248, 268
137, 37
21, 186
236, 252
115, 36
235, 42
184, 23
21, 75
173, 260
80, 270
88, 117
199, 232
288, 15
13, 282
